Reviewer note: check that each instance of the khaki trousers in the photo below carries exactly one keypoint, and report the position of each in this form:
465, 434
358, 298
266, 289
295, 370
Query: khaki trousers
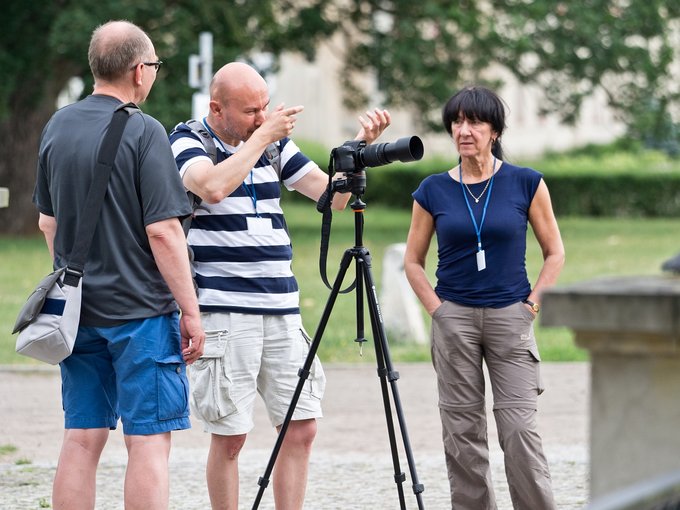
462, 337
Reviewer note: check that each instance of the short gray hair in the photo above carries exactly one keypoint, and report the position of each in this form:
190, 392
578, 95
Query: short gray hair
116, 47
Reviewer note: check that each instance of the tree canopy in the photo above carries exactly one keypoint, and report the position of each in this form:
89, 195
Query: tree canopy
420, 53
44, 43
423, 51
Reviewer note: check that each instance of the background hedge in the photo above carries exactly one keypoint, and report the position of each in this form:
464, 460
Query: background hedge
616, 180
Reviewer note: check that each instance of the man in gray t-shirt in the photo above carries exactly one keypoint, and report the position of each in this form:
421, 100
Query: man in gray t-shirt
122, 281
130, 355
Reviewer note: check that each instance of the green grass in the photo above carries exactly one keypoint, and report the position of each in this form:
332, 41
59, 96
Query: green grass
595, 248
6, 449
24, 261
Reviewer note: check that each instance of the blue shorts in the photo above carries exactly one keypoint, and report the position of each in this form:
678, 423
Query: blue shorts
134, 371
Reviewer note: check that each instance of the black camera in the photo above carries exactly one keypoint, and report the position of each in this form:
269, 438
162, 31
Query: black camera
352, 158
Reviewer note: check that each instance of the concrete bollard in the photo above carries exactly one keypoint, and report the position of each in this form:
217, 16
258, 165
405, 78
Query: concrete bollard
401, 310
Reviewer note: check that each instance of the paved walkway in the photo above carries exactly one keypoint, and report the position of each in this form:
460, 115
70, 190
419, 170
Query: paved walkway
351, 465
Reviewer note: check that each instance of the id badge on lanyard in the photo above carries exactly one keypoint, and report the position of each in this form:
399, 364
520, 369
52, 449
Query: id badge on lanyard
481, 255
259, 226
481, 260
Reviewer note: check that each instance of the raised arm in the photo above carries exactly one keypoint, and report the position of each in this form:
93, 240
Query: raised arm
315, 182
215, 182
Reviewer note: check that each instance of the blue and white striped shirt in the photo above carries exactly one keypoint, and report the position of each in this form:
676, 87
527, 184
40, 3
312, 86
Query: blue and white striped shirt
236, 271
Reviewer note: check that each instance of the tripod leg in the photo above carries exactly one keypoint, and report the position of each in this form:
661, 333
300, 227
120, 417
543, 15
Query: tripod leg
303, 374
399, 476
386, 373
359, 303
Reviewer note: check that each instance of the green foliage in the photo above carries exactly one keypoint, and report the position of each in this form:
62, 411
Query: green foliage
618, 179
573, 49
655, 127
622, 195
25, 259
419, 52
317, 152
44, 43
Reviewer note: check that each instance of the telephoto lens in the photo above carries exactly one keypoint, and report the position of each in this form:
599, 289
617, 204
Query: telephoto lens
409, 148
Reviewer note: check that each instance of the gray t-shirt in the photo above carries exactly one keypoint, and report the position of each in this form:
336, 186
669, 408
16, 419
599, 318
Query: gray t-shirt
121, 281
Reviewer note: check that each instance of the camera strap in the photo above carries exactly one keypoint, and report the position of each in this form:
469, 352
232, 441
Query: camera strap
324, 207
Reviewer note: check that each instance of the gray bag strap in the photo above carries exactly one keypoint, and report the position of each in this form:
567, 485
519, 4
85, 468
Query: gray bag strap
206, 138
273, 155
95, 196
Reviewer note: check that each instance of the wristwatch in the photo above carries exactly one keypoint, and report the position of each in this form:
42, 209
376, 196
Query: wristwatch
533, 305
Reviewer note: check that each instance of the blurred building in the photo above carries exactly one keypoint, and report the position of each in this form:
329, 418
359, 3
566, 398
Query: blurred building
325, 119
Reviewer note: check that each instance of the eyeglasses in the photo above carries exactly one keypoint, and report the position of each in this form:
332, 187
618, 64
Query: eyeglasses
156, 64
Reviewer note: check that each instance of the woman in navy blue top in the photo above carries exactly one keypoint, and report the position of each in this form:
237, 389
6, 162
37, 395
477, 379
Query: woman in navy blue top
483, 305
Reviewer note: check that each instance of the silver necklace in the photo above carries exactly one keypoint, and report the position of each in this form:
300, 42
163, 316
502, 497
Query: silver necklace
476, 199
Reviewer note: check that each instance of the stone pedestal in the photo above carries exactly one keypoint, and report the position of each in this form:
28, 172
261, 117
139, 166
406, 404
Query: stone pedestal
631, 327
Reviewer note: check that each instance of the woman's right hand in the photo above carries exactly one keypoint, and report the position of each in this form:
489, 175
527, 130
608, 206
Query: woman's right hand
435, 306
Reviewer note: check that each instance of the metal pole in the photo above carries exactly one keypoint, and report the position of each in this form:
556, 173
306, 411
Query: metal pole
200, 75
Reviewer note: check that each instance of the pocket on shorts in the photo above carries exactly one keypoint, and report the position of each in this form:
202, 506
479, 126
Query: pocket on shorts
210, 398
172, 388
317, 377
533, 350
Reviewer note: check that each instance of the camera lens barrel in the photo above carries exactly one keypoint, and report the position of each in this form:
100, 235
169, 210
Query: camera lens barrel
409, 148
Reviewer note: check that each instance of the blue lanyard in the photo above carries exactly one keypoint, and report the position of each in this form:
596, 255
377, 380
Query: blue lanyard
250, 189
478, 229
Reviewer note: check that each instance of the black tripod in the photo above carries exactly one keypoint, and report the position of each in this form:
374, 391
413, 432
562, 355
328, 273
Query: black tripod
386, 373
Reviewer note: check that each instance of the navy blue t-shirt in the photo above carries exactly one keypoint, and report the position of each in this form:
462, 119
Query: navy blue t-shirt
503, 236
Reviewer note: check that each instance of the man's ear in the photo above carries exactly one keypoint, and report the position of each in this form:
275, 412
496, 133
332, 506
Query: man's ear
138, 74
215, 107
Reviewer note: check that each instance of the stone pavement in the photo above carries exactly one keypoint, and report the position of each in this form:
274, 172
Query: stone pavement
351, 466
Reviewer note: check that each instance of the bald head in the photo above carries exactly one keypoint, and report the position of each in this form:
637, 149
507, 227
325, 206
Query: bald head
115, 47
235, 79
239, 99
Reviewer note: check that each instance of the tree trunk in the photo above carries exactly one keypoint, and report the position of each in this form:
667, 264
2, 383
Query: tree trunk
20, 135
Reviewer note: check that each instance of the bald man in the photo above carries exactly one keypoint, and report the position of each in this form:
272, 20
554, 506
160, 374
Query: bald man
130, 354
248, 295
